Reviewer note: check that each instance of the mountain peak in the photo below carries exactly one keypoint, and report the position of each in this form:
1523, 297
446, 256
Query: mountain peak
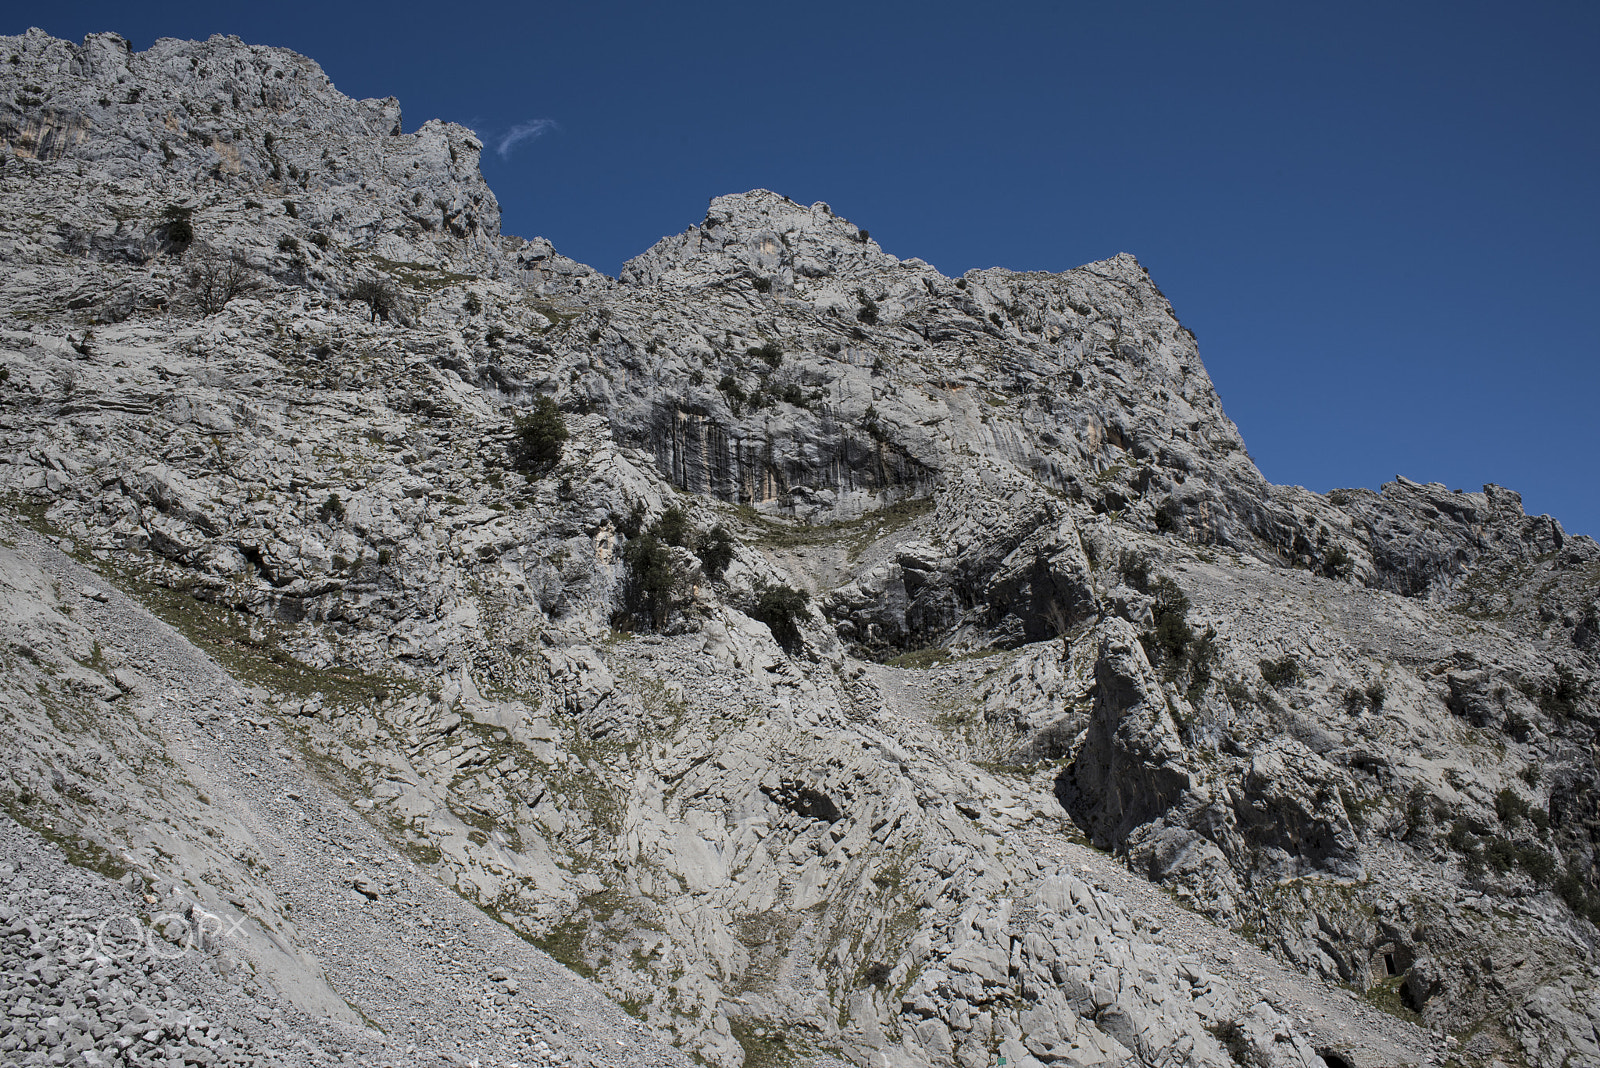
759, 234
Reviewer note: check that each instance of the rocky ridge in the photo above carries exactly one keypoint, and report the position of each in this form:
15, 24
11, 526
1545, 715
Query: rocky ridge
1357, 729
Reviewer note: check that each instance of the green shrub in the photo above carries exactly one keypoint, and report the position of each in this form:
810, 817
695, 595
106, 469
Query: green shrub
762, 285
1172, 635
1560, 697
1538, 864
377, 294
290, 208
1135, 571
730, 386
1461, 838
780, 608
494, 336
1336, 563
1203, 655
1574, 891
770, 352
541, 437
647, 585
1500, 855
319, 239
288, 244
716, 550
473, 305
1375, 696
1285, 671
868, 312
672, 527
1510, 807
331, 509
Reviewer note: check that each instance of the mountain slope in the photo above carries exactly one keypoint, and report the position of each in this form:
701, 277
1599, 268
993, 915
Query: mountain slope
1356, 730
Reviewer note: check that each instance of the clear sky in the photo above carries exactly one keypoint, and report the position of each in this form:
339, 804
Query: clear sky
1379, 219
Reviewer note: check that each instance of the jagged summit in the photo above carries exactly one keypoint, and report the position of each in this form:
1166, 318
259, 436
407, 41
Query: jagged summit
760, 234
193, 121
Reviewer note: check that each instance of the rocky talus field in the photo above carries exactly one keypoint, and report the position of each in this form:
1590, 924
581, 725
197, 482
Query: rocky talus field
419, 648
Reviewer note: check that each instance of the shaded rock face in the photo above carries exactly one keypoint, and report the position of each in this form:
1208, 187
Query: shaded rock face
1424, 538
806, 463
1359, 728
1129, 770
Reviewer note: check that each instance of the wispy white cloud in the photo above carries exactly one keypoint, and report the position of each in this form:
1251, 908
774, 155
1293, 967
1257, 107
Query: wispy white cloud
522, 131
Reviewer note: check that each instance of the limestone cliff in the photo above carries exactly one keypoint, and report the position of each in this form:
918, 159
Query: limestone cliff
1060, 642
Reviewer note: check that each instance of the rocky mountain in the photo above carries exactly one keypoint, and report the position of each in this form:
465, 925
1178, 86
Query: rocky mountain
423, 648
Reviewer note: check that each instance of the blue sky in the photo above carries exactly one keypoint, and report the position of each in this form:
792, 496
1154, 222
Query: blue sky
1380, 220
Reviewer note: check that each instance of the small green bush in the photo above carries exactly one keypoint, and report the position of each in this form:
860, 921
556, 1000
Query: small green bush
319, 239
473, 305
1336, 563
1135, 571
730, 386
378, 294
770, 352
762, 285
868, 313
672, 527
1203, 656
1461, 838
331, 509
541, 437
780, 608
290, 208
1375, 696
716, 550
1500, 855
647, 585
1574, 891
1510, 807
1285, 671
288, 244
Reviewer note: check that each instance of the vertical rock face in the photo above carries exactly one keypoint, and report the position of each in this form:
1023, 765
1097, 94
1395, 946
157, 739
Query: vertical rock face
1129, 770
841, 682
